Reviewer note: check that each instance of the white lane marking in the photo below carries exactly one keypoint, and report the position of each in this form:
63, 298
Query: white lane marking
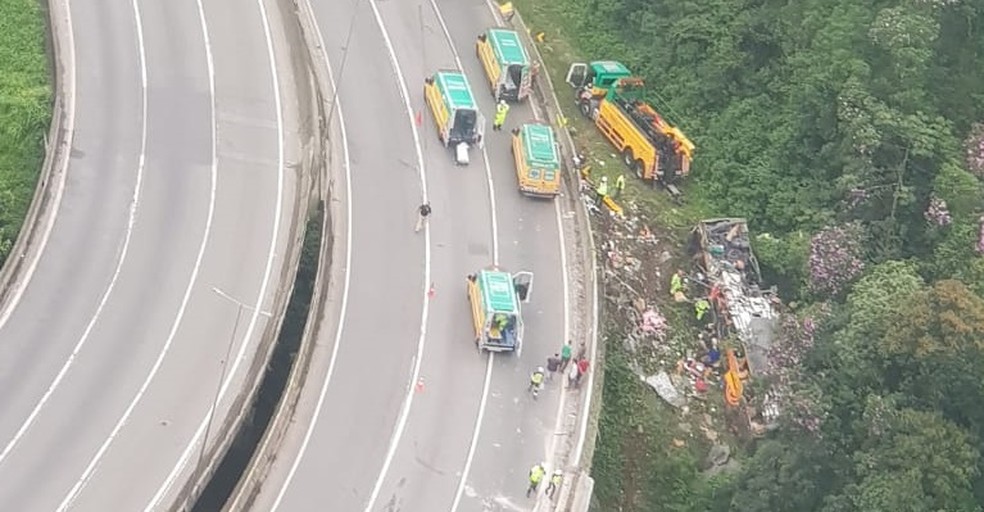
60, 186
271, 250
418, 358
586, 408
348, 268
131, 220
543, 502
91, 467
487, 384
473, 444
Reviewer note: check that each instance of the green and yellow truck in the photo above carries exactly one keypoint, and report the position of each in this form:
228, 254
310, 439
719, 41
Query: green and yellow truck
460, 124
652, 148
537, 160
506, 64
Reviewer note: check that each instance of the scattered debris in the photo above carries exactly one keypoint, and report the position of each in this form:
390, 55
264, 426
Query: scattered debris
663, 384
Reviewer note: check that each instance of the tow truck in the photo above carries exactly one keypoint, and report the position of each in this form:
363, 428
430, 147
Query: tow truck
652, 148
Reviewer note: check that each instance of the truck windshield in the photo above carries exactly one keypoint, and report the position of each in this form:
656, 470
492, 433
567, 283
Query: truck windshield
464, 124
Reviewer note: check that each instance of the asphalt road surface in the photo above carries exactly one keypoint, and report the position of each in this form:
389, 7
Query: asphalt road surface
175, 212
364, 447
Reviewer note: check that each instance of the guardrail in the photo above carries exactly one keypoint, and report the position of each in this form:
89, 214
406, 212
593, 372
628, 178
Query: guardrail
575, 493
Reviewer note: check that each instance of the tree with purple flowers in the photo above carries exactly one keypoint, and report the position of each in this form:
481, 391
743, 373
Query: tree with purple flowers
799, 396
974, 150
937, 214
835, 258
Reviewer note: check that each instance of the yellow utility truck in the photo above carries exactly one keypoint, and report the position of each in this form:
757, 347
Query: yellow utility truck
652, 148
534, 149
506, 64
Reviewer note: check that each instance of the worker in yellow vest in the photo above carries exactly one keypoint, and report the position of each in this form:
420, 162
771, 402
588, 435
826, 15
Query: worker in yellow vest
619, 185
500, 115
602, 190
536, 475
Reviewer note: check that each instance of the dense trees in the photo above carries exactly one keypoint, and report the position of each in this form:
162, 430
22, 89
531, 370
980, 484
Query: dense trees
850, 133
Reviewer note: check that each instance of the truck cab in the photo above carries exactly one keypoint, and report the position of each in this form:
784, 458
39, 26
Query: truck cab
592, 80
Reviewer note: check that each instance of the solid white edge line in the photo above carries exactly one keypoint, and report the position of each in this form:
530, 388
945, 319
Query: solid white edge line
579, 446
94, 462
348, 271
131, 220
60, 187
408, 400
551, 458
487, 384
271, 254
476, 432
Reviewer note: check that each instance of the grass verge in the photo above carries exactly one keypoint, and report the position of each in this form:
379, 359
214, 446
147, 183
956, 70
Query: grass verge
647, 456
25, 111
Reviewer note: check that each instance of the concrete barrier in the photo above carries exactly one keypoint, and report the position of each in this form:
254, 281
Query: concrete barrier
310, 170
324, 160
580, 426
33, 236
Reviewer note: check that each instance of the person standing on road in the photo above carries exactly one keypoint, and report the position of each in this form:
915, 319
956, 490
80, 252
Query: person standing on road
500, 115
565, 356
423, 212
536, 475
553, 364
582, 368
555, 480
536, 378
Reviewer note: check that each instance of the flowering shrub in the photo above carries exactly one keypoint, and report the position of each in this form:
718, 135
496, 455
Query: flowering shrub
974, 148
937, 212
797, 395
856, 197
835, 258
980, 237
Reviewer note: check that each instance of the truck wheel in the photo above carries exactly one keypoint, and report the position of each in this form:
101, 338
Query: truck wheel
586, 108
628, 158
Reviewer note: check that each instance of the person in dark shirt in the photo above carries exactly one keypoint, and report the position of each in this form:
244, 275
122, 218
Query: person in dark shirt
423, 212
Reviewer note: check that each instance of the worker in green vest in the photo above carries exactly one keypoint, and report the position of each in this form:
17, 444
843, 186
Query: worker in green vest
536, 475
500, 115
555, 480
701, 307
676, 283
619, 185
602, 189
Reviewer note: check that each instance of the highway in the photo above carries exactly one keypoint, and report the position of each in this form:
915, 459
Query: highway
402, 413
174, 222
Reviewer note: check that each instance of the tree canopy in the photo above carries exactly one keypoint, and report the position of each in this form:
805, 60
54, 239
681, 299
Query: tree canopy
851, 135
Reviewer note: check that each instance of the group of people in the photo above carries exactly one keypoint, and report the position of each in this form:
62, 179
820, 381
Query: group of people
576, 367
537, 472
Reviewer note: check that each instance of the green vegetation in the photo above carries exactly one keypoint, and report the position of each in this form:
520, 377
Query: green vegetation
849, 134
25, 112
